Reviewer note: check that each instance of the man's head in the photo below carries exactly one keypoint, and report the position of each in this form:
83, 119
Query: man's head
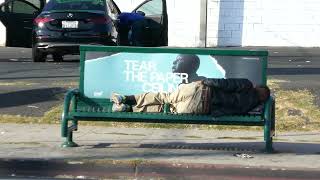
263, 93
186, 63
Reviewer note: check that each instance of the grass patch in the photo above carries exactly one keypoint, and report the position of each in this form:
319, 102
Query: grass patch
295, 111
51, 117
73, 84
18, 119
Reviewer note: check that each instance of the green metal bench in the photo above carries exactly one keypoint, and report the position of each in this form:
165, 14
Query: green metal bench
79, 107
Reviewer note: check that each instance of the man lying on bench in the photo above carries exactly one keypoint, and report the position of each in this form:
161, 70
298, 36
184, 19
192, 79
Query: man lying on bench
216, 96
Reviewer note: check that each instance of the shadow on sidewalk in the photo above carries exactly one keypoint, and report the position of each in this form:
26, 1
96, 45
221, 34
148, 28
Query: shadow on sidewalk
253, 147
31, 96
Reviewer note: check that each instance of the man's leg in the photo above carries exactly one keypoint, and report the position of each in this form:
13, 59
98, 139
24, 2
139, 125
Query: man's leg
130, 100
149, 102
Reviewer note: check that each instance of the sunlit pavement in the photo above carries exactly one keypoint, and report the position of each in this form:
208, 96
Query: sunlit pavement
26, 148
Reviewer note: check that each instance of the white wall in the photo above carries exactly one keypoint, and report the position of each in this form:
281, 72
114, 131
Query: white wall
264, 23
184, 26
183, 21
127, 5
3, 35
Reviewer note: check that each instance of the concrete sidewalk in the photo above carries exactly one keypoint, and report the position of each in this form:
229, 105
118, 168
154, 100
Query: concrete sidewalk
295, 150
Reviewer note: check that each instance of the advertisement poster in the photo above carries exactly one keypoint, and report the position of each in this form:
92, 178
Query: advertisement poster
135, 73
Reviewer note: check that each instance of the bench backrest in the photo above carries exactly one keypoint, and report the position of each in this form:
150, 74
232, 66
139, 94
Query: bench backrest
133, 70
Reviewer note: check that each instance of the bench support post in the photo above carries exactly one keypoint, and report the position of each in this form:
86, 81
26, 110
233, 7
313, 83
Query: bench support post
267, 136
269, 125
67, 132
69, 139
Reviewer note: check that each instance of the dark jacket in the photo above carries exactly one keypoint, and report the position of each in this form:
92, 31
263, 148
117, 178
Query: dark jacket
232, 96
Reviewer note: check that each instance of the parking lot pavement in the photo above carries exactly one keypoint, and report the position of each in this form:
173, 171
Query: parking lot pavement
293, 150
45, 83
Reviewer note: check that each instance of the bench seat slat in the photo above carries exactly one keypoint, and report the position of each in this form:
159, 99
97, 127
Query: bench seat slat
129, 116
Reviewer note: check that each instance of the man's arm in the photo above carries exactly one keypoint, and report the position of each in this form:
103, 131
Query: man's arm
230, 85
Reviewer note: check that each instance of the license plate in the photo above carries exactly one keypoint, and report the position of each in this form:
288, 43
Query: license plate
70, 24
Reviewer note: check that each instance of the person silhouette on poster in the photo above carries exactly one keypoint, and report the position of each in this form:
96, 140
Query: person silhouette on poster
187, 63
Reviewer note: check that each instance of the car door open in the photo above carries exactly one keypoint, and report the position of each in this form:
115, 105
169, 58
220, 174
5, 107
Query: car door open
146, 25
153, 30
18, 16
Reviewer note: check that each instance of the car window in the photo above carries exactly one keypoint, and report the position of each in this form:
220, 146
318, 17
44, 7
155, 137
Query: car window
35, 3
151, 8
56, 5
113, 10
22, 7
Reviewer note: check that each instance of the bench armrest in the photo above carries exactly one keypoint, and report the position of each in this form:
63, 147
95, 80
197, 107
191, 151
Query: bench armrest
67, 101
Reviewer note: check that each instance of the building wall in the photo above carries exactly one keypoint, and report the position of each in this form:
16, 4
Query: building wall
184, 23
263, 23
127, 5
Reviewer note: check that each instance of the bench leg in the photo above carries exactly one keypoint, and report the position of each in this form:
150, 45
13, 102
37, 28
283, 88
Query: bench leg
268, 136
69, 138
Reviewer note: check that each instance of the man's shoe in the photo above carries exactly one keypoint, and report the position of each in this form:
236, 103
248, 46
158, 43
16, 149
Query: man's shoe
117, 98
120, 108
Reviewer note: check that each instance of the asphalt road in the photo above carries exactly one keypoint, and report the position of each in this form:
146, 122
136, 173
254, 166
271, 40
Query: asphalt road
51, 169
30, 89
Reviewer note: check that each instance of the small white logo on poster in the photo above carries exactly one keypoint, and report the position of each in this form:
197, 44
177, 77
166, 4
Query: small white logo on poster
97, 93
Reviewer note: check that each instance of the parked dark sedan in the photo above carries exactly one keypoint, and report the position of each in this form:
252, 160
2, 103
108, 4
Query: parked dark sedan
63, 25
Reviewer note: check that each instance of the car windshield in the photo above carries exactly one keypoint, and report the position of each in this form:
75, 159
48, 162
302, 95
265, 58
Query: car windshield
58, 5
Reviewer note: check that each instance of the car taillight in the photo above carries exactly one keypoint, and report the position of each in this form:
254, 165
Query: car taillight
42, 20
100, 20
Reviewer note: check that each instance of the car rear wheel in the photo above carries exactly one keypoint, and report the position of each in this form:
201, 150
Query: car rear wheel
38, 56
57, 57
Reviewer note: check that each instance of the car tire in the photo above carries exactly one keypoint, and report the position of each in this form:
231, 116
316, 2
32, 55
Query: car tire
57, 57
37, 55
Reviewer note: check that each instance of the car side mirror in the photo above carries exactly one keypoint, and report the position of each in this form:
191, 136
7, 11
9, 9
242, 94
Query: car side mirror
141, 13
